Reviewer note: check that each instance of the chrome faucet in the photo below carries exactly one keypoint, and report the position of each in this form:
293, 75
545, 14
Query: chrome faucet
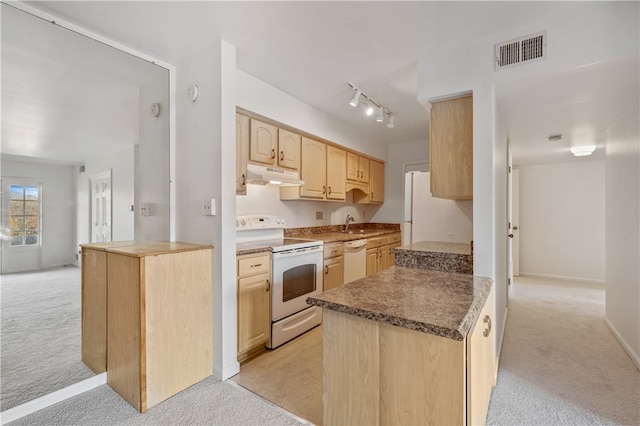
346, 222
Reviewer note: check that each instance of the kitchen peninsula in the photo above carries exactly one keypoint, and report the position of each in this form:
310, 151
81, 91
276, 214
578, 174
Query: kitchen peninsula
407, 346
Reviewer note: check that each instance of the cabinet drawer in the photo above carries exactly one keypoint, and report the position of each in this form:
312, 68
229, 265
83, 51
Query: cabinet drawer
332, 250
395, 238
253, 265
376, 242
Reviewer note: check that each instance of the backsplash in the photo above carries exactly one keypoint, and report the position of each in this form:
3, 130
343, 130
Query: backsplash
300, 232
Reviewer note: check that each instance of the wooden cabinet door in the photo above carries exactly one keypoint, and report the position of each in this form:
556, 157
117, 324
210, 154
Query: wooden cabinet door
391, 256
313, 169
288, 150
242, 152
253, 311
336, 173
372, 261
333, 273
451, 148
376, 182
480, 370
353, 170
363, 167
263, 142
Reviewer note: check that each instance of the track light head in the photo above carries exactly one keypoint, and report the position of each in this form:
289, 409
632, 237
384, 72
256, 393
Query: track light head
390, 122
380, 115
368, 109
355, 98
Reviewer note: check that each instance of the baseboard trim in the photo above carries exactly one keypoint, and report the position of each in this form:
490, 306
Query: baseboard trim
627, 348
562, 278
496, 364
53, 398
227, 371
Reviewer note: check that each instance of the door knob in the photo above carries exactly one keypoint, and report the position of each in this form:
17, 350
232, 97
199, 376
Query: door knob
510, 235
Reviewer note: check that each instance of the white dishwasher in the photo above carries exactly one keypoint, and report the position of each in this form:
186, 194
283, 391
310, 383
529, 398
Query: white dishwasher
354, 260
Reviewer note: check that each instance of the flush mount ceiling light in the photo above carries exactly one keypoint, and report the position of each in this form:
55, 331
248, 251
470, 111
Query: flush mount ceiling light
584, 150
370, 106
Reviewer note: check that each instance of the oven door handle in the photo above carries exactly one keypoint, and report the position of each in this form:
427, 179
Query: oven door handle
297, 252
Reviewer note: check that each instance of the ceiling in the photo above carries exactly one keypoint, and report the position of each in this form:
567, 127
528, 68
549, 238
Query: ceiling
311, 50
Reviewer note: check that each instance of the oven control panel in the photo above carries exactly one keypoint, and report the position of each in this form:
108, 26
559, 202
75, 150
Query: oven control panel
262, 221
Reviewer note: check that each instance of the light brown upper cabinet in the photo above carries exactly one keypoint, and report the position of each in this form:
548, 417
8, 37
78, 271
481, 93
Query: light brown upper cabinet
242, 152
263, 142
323, 170
336, 173
357, 168
451, 148
376, 181
314, 172
288, 150
273, 146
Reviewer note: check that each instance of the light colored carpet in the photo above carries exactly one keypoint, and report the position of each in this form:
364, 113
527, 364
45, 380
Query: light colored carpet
39, 334
210, 402
289, 376
560, 364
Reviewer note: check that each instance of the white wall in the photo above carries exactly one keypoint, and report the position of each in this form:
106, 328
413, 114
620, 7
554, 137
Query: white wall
121, 164
205, 169
152, 165
398, 155
58, 197
468, 66
562, 220
623, 231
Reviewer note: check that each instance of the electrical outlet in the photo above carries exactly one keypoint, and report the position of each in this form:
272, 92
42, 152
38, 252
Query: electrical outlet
208, 207
319, 215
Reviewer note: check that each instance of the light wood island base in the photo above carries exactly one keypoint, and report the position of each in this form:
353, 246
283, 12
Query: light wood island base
375, 373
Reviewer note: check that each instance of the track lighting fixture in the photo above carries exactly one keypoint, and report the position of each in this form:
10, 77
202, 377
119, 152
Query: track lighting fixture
355, 98
370, 106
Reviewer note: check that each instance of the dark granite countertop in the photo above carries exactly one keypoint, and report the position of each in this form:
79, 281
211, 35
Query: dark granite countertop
442, 303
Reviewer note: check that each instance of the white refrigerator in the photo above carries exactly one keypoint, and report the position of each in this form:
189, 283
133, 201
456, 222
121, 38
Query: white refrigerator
427, 218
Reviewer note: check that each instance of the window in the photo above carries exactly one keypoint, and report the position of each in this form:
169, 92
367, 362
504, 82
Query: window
24, 216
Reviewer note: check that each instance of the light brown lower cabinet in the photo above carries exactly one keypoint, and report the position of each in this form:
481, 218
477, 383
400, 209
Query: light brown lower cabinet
376, 374
333, 266
254, 304
379, 252
158, 302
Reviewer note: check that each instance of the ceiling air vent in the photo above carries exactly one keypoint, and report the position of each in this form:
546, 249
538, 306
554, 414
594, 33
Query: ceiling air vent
523, 49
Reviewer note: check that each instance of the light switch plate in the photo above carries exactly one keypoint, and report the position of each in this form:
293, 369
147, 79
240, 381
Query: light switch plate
209, 207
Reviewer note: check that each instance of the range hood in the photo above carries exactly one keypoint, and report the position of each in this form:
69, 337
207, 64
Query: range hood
263, 175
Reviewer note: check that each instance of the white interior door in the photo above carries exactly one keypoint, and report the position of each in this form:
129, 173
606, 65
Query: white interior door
101, 207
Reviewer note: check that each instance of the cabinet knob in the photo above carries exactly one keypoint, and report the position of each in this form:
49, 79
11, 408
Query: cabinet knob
273, 153
255, 265
329, 191
487, 320
361, 174
268, 285
324, 189
281, 155
244, 179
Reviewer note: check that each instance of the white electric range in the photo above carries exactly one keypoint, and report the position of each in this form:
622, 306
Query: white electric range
296, 273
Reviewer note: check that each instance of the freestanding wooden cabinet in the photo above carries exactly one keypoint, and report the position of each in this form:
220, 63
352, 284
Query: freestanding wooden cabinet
451, 148
159, 318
